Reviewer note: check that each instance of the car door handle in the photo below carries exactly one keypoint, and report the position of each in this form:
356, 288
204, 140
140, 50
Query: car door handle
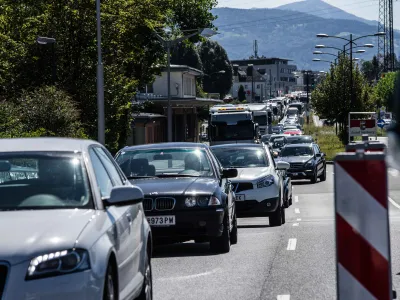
129, 217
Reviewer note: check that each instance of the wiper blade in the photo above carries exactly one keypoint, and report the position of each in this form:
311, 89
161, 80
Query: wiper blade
138, 177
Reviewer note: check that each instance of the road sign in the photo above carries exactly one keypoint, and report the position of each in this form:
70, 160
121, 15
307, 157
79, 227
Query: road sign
358, 127
362, 227
381, 123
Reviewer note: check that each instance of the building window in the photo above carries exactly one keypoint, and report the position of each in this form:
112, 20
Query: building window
258, 86
245, 86
189, 86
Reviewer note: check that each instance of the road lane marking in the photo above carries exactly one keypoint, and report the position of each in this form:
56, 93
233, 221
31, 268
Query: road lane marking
296, 198
394, 203
298, 219
297, 211
283, 297
295, 224
292, 244
193, 276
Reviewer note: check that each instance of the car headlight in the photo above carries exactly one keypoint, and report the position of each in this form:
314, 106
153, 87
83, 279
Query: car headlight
265, 182
201, 201
58, 263
310, 163
214, 201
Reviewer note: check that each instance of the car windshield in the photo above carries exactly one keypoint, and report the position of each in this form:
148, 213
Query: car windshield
301, 140
222, 132
241, 157
265, 138
296, 151
43, 181
163, 162
273, 138
261, 120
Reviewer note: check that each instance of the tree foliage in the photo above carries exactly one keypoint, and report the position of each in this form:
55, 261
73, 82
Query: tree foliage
332, 97
241, 93
130, 51
371, 69
384, 91
186, 54
215, 59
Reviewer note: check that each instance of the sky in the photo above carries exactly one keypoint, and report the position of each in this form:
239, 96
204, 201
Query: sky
367, 9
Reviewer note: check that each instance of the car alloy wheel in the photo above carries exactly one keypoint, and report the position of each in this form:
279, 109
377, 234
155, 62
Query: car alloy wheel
147, 288
109, 286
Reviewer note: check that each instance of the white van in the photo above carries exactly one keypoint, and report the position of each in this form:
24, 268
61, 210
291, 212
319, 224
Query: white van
292, 111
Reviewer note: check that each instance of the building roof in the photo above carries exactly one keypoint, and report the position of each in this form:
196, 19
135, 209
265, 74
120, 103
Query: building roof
145, 115
259, 61
45, 144
185, 102
184, 68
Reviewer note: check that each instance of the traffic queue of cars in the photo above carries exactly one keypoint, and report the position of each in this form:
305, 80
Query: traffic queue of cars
84, 223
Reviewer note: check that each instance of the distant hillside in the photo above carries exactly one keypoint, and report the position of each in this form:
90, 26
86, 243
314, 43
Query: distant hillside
286, 34
324, 10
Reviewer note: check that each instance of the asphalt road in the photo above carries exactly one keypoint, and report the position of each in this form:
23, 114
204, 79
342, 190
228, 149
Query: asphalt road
294, 261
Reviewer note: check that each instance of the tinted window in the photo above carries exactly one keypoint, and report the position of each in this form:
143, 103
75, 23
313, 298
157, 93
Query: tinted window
104, 182
43, 180
154, 162
241, 157
297, 151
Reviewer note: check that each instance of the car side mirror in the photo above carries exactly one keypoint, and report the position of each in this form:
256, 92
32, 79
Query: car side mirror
282, 165
318, 155
275, 154
124, 195
229, 173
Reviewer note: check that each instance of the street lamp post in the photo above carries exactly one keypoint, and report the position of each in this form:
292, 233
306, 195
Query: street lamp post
168, 44
41, 40
100, 82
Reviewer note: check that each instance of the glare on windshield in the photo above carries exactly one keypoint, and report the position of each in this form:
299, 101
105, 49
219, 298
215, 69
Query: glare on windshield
241, 158
296, 151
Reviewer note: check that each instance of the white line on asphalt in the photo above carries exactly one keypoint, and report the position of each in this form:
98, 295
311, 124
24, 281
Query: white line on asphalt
283, 297
394, 203
297, 211
292, 244
191, 276
295, 224
296, 198
298, 219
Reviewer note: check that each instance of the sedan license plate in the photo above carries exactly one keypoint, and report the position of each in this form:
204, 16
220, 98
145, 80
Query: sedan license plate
240, 197
161, 221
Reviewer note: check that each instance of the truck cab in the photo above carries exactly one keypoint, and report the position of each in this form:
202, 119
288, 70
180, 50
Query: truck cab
229, 125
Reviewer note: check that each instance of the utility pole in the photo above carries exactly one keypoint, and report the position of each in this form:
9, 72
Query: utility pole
308, 96
270, 84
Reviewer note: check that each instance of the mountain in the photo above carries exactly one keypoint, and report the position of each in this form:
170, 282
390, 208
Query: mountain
287, 35
324, 10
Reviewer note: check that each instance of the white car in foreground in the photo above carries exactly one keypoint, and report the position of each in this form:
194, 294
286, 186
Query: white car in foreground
259, 186
71, 224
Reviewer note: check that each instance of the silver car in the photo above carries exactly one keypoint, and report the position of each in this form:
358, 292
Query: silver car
71, 224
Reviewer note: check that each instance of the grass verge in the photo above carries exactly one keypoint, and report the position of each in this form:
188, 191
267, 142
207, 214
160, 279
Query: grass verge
326, 138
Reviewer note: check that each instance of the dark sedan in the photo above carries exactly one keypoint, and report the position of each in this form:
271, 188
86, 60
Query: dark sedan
300, 139
187, 193
306, 161
277, 129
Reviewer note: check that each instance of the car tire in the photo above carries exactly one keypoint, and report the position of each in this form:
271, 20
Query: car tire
147, 287
290, 200
286, 202
222, 244
323, 176
283, 216
275, 219
110, 291
234, 231
314, 178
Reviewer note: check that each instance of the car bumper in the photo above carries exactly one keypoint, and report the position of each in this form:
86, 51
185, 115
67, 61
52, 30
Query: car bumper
190, 224
253, 208
81, 285
300, 174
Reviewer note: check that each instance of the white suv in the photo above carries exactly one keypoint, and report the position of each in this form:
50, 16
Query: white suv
259, 186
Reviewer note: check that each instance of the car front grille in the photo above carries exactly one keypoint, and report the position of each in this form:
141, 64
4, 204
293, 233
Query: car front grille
147, 204
165, 203
296, 165
3, 277
242, 186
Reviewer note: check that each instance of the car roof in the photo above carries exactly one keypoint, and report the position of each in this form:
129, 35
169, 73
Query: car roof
240, 145
45, 144
298, 145
172, 145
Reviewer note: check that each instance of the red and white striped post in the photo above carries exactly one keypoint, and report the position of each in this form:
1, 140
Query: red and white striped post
362, 227
370, 146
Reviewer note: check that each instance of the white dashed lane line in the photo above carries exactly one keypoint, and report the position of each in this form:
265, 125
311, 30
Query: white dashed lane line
283, 297
297, 211
295, 224
292, 244
296, 198
298, 219
393, 172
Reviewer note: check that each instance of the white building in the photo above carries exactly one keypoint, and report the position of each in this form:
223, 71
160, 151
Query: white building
271, 77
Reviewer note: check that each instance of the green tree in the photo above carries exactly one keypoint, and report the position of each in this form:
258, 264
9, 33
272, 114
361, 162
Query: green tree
331, 98
383, 92
370, 69
186, 54
241, 93
215, 59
